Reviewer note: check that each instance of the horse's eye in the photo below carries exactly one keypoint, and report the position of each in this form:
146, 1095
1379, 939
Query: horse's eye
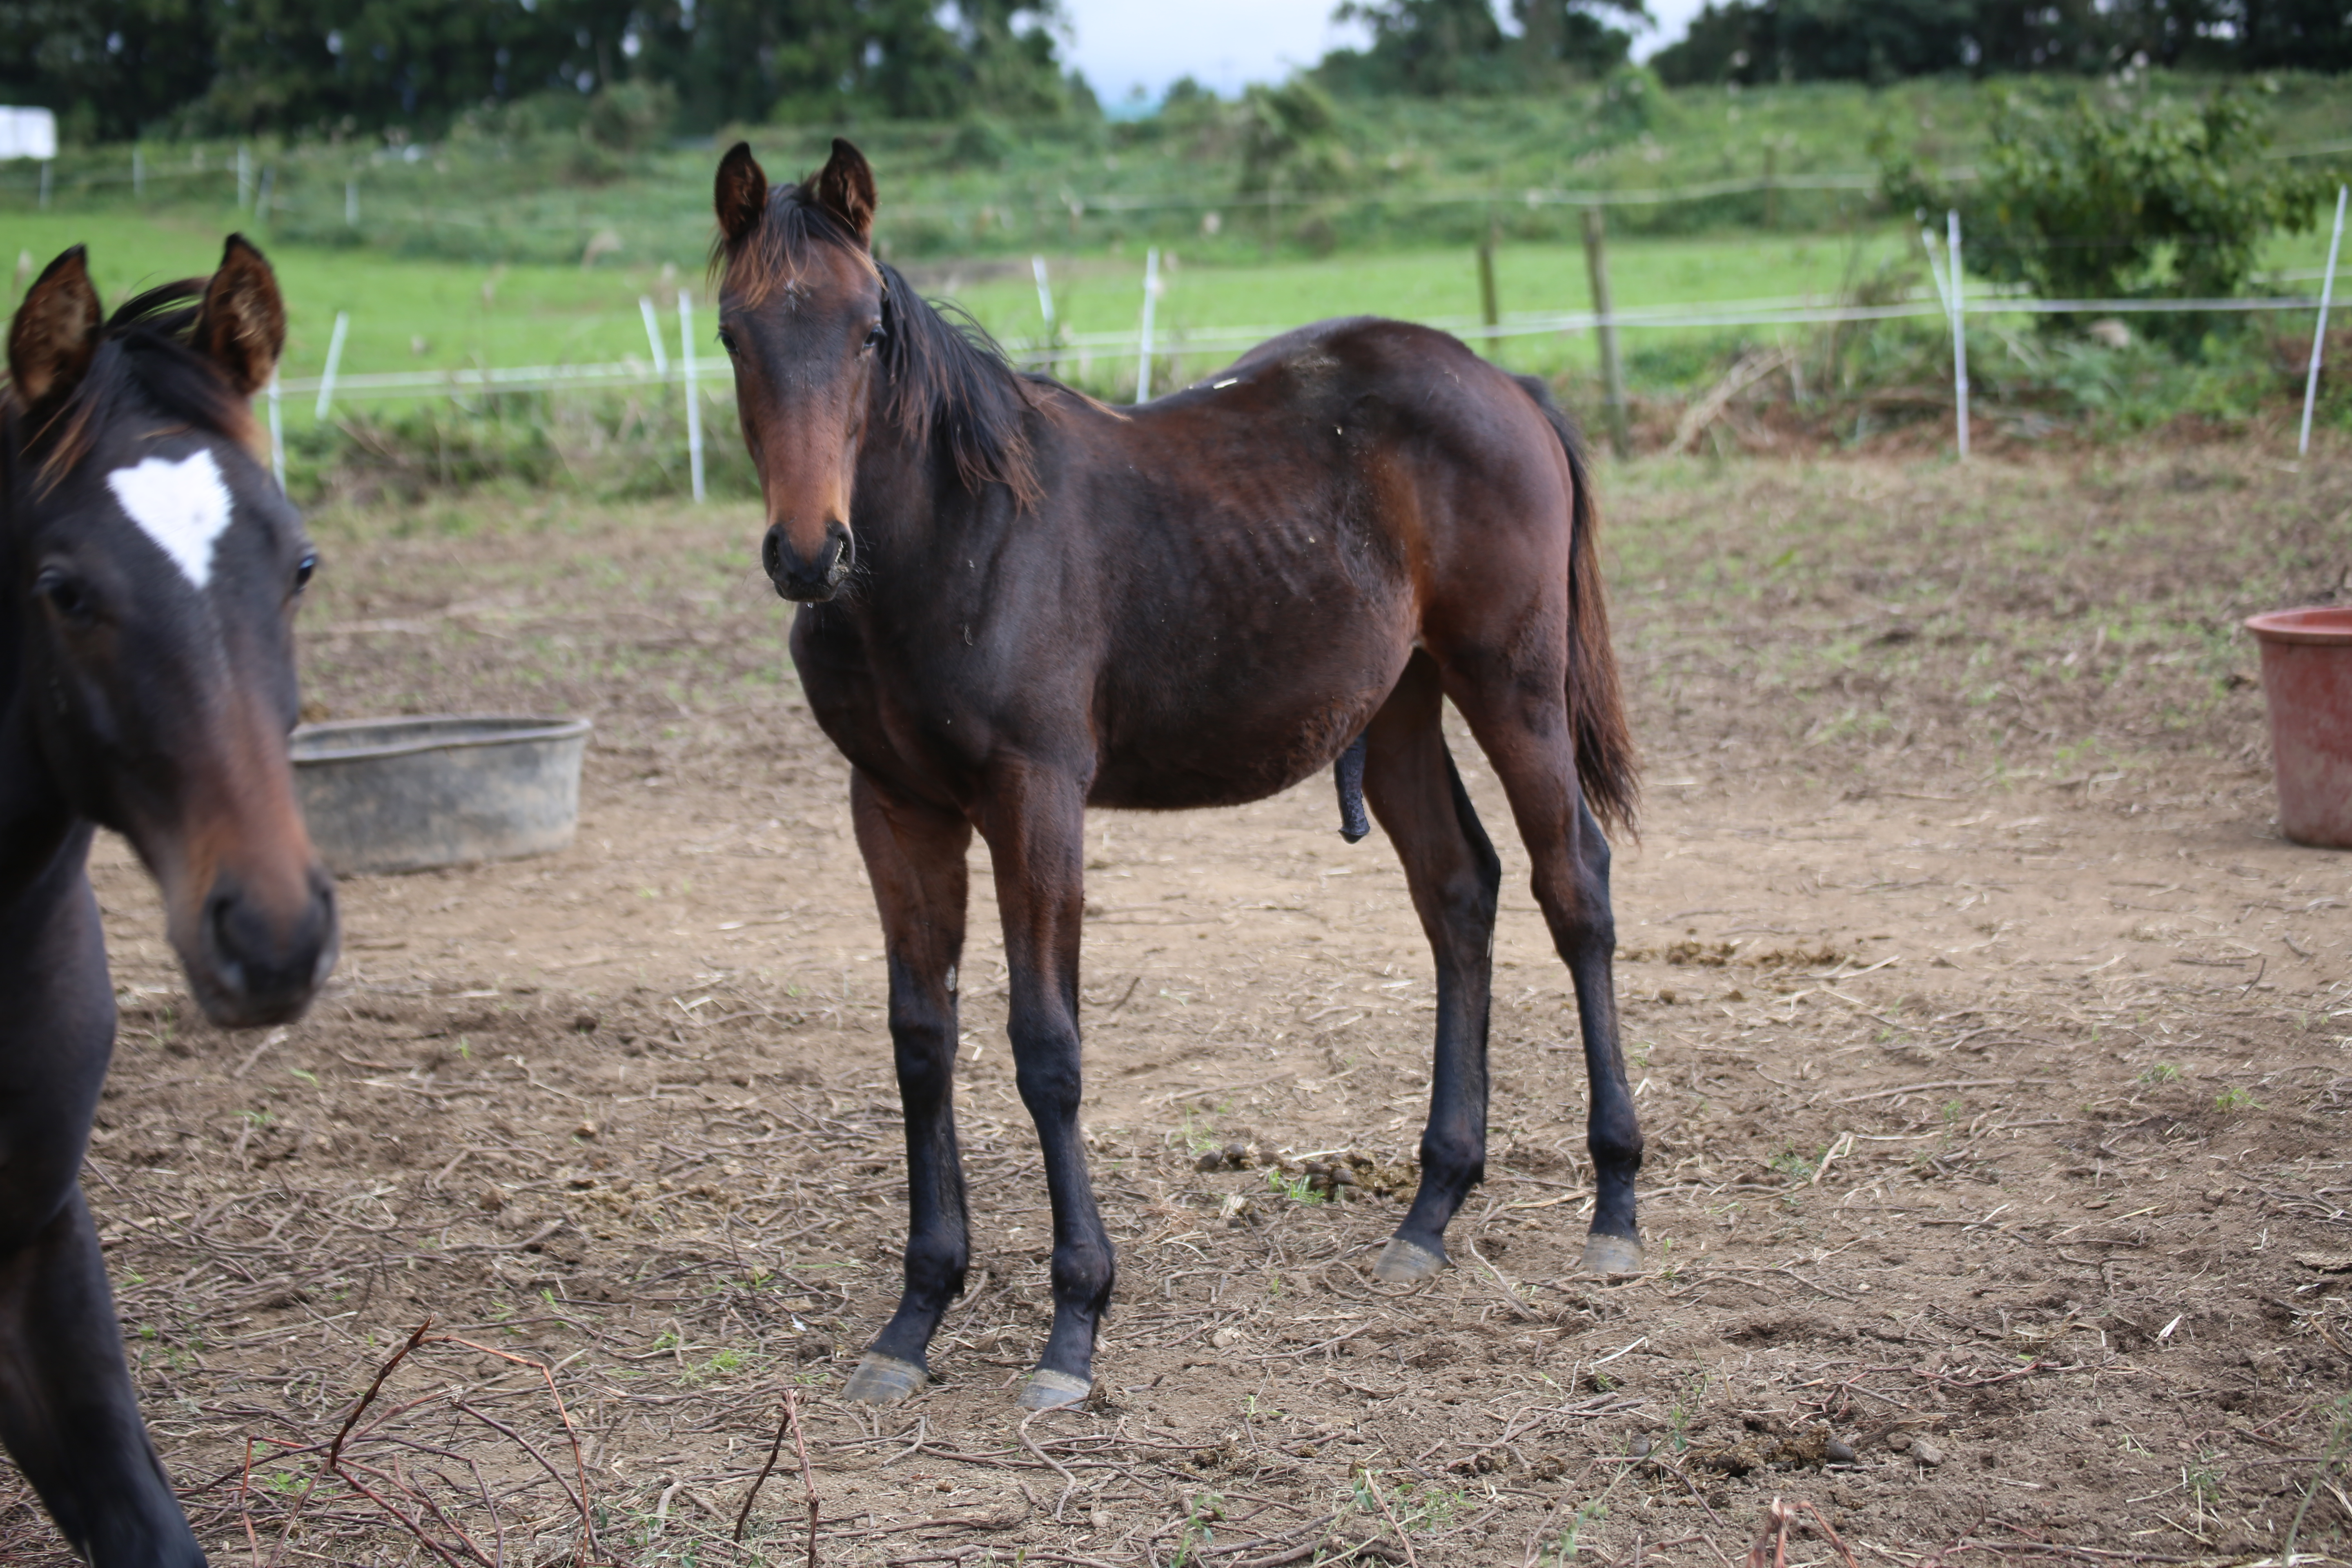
727, 340
874, 338
67, 596
304, 569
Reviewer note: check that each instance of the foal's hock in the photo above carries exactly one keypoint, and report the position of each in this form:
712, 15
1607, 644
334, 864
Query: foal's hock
1017, 603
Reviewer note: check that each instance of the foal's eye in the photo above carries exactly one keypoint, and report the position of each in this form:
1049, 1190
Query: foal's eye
65, 596
727, 340
304, 569
874, 337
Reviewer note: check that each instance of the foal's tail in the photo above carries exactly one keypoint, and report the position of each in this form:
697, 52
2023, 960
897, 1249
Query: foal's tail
1605, 762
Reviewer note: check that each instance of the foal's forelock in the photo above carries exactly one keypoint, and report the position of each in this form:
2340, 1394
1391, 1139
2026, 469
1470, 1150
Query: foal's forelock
766, 262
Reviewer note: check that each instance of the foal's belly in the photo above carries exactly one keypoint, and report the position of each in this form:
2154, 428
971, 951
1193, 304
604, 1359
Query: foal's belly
1242, 735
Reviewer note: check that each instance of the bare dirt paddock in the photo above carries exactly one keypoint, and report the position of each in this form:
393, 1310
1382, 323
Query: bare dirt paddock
1991, 1049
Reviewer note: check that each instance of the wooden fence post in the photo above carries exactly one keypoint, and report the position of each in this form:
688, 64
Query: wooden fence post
1490, 307
1613, 368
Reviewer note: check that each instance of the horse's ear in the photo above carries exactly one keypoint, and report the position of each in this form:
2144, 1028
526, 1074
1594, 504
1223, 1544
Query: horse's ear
55, 334
740, 194
241, 325
846, 189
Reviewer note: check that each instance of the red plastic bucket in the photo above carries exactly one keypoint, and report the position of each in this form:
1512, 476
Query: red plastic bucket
2307, 683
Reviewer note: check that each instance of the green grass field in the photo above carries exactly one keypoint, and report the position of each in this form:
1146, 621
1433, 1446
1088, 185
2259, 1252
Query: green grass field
413, 313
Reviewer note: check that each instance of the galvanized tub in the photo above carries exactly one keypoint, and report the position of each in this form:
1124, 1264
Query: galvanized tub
406, 794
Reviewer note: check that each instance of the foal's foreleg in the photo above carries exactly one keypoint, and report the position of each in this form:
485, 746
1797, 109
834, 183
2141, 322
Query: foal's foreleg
1036, 827
67, 1408
1453, 874
68, 1414
915, 857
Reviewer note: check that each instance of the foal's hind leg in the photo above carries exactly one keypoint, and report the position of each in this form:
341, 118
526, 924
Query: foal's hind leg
1410, 782
915, 857
1527, 738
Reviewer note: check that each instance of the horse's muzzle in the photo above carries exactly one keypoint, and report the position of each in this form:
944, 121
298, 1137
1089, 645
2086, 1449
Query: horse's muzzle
253, 965
807, 579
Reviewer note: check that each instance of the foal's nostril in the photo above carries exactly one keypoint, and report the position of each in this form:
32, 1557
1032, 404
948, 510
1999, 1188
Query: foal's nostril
221, 934
771, 554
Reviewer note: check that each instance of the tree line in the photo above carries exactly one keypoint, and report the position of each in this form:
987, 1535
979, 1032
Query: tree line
1756, 41
114, 70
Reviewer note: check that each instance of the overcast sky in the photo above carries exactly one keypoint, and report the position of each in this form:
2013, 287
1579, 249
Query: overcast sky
1228, 44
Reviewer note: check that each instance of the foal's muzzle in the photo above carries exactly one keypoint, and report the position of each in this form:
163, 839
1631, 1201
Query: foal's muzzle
811, 578
253, 963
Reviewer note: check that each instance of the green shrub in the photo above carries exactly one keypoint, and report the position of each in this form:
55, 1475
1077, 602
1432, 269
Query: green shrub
2117, 195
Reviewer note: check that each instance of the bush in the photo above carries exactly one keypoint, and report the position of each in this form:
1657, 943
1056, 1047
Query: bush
2117, 196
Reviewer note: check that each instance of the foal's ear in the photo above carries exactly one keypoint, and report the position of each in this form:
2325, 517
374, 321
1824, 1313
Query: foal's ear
740, 194
55, 334
241, 326
846, 189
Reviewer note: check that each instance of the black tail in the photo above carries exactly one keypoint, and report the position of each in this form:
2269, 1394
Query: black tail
1605, 762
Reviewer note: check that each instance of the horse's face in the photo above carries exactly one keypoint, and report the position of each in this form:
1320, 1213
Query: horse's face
800, 314
155, 578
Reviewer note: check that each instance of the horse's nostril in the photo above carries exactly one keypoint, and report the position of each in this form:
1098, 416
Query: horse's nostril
771, 551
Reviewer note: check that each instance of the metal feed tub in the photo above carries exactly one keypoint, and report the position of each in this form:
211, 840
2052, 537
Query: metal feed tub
404, 794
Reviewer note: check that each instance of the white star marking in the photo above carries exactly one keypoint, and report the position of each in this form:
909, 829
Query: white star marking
182, 506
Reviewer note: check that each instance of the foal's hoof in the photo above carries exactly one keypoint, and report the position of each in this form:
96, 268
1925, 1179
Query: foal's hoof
1049, 1390
1611, 1255
1402, 1262
885, 1380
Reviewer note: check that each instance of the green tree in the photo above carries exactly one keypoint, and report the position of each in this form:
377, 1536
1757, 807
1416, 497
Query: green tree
110, 69
1438, 46
2116, 197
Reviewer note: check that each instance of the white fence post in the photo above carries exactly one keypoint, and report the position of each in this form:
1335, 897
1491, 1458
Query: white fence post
653, 337
243, 177
1143, 341
45, 185
2319, 334
1959, 326
1044, 294
693, 398
137, 171
334, 363
276, 434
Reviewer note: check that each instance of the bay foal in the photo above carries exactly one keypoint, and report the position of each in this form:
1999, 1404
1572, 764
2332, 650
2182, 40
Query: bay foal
1016, 603
146, 684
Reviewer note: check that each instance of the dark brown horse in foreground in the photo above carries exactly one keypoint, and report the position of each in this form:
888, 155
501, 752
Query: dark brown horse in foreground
1017, 603
149, 573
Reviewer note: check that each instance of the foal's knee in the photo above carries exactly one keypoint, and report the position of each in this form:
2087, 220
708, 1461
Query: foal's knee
1047, 1078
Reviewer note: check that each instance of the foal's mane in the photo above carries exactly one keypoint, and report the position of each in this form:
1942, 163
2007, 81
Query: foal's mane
145, 357
942, 371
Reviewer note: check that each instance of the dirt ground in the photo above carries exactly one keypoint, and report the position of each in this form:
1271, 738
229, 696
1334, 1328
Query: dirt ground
1990, 1044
